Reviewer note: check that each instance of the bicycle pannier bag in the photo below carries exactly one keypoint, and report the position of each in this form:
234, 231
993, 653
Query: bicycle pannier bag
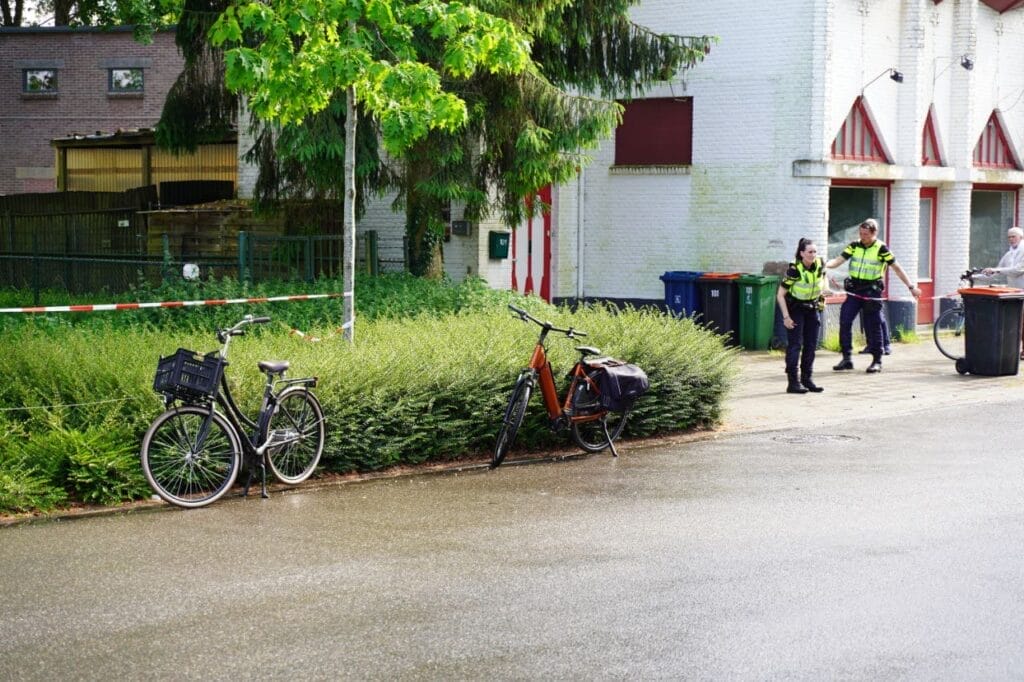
621, 385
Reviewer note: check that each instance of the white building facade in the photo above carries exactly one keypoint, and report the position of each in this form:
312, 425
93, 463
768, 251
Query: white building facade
800, 129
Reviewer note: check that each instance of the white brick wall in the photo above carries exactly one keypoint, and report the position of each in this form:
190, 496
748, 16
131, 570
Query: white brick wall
768, 102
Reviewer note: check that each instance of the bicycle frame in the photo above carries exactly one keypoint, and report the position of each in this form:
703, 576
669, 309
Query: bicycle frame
559, 409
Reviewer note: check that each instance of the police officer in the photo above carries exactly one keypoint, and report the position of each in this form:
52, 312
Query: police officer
801, 298
868, 259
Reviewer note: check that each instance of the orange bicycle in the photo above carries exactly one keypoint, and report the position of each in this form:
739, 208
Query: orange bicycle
594, 428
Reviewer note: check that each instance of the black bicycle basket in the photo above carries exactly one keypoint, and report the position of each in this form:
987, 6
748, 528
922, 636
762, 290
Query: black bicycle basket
186, 375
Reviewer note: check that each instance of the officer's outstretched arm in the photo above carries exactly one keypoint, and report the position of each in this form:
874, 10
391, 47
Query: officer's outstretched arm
901, 273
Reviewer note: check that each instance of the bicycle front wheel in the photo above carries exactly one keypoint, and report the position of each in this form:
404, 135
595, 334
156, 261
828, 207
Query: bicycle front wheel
189, 465
514, 414
591, 435
950, 334
298, 426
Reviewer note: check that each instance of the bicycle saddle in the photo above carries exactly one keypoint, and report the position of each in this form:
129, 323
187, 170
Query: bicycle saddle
588, 350
273, 366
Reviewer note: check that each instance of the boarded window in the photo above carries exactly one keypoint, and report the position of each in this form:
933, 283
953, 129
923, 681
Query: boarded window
656, 131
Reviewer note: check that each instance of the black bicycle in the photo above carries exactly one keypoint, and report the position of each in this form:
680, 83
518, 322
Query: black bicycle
949, 331
192, 453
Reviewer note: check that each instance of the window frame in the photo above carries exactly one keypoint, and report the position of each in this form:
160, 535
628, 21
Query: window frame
25, 79
112, 90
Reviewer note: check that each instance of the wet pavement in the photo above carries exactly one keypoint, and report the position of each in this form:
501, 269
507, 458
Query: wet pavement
804, 541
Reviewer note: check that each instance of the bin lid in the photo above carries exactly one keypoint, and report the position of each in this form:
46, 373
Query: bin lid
993, 292
720, 275
680, 276
758, 279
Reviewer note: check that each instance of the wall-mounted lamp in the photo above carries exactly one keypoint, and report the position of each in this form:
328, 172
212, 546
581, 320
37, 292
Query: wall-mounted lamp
893, 74
966, 61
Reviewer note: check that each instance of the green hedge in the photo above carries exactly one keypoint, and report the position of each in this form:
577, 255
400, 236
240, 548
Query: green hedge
426, 388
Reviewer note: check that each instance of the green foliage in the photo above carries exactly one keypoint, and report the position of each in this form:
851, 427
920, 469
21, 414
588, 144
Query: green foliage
22, 488
422, 384
24, 491
481, 103
104, 467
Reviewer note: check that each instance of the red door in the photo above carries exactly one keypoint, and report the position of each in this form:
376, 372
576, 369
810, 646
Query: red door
531, 248
926, 255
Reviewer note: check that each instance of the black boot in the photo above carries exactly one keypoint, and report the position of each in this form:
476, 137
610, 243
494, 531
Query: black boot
805, 380
876, 365
845, 363
794, 385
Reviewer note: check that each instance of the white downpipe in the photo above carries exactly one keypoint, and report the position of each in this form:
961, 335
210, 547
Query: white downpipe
580, 204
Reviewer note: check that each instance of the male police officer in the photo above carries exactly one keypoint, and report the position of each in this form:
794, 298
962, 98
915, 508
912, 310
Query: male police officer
868, 259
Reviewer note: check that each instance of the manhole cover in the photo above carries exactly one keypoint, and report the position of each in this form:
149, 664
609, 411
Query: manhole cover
816, 438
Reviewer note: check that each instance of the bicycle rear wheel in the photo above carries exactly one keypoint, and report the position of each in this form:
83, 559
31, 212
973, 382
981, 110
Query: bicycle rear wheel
514, 414
949, 333
590, 435
298, 424
185, 467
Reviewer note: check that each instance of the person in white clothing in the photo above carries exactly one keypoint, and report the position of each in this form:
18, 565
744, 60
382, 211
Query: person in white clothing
1011, 265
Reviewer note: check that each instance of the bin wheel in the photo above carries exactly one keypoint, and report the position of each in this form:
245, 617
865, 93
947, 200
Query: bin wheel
961, 366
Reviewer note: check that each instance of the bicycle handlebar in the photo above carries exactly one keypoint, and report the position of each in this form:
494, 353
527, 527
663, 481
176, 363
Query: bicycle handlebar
547, 326
239, 328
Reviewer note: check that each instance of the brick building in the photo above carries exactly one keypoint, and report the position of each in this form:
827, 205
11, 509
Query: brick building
57, 81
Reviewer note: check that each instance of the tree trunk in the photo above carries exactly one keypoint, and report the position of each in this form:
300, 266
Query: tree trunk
423, 227
62, 10
349, 240
11, 17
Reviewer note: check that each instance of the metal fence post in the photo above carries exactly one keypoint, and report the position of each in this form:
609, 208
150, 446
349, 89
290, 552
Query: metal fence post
165, 247
243, 250
372, 262
310, 270
10, 247
35, 268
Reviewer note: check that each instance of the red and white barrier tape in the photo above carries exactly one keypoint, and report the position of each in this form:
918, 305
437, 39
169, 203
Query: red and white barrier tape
165, 304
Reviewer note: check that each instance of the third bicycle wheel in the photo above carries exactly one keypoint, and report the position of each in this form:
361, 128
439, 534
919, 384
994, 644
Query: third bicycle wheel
950, 333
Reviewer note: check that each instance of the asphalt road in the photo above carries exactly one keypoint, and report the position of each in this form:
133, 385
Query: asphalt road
885, 549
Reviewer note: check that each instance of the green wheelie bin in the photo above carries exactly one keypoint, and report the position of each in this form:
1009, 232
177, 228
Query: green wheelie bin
757, 310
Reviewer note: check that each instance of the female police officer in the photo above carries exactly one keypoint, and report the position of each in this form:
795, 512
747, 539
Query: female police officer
801, 298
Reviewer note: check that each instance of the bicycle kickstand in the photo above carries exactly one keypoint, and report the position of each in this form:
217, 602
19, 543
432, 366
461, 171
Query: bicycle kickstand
263, 480
608, 437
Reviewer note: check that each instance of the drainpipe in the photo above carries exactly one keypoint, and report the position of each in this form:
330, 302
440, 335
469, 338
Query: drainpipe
580, 202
